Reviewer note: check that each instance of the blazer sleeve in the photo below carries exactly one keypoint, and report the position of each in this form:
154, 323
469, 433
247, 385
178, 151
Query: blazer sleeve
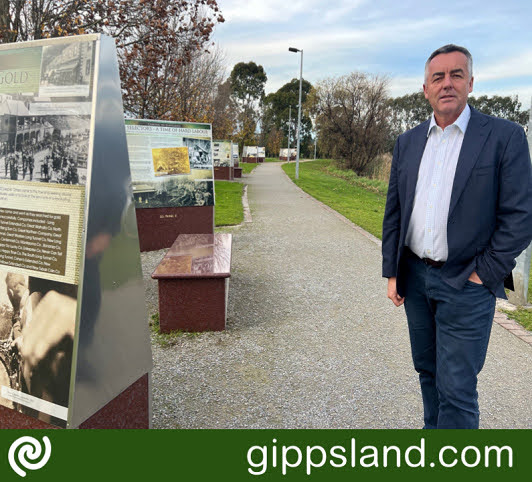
391, 225
513, 230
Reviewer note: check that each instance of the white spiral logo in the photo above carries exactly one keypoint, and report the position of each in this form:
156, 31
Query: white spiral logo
31, 449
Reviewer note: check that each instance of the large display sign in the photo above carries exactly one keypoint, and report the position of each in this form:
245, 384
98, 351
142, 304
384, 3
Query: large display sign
261, 152
222, 154
250, 151
48, 97
283, 153
171, 163
46, 93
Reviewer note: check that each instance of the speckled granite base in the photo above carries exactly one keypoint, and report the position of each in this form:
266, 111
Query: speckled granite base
159, 227
129, 410
192, 304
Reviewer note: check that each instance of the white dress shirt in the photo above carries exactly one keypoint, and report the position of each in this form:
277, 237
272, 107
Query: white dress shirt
427, 230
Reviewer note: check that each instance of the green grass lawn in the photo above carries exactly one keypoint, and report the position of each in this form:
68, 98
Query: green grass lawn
356, 202
272, 159
247, 167
362, 201
228, 209
524, 315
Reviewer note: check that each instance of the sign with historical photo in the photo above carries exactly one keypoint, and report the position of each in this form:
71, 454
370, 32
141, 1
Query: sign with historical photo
171, 163
283, 153
250, 151
46, 90
221, 154
261, 152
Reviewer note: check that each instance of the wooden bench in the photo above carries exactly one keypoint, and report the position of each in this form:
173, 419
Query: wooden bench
193, 280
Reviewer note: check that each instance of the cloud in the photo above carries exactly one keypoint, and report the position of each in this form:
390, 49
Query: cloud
263, 11
339, 10
400, 86
282, 11
388, 34
344, 36
518, 65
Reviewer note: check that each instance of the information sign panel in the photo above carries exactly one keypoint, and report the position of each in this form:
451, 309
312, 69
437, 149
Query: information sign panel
221, 152
171, 163
57, 224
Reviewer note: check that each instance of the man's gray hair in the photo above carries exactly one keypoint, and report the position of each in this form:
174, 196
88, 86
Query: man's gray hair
447, 49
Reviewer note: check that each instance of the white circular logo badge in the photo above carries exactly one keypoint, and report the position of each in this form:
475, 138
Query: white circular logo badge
29, 451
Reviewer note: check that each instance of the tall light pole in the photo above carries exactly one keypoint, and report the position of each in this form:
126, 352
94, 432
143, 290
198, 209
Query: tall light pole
292, 49
289, 124
521, 272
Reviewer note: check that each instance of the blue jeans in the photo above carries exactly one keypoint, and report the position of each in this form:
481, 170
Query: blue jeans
449, 334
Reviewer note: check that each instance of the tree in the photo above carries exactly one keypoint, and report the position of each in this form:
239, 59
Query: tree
225, 116
411, 109
247, 82
197, 82
406, 112
246, 132
155, 39
352, 118
507, 107
22, 20
276, 115
273, 142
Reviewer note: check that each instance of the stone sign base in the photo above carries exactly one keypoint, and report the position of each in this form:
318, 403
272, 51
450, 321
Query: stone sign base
129, 410
223, 173
159, 227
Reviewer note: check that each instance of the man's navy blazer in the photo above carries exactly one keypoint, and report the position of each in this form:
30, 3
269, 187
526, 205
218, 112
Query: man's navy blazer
490, 212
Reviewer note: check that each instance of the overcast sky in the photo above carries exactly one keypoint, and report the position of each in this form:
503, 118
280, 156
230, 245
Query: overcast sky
388, 37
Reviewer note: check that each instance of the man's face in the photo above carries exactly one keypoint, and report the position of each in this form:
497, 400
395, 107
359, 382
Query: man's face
447, 86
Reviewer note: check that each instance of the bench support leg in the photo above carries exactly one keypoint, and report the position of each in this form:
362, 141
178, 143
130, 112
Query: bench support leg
192, 304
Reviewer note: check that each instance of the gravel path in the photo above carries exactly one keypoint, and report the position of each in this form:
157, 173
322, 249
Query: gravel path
311, 339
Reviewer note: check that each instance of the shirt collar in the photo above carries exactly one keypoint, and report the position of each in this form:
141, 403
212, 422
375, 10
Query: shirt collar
461, 122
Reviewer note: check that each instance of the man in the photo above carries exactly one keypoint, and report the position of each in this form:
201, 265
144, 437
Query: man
458, 213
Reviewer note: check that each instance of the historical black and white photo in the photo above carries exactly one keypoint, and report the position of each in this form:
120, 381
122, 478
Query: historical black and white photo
42, 148
199, 152
66, 69
36, 343
174, 192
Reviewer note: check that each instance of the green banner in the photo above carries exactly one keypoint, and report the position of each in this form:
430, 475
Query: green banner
20, 70
266, 454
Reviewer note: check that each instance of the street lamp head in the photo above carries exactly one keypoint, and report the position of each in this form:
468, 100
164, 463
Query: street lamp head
293, 49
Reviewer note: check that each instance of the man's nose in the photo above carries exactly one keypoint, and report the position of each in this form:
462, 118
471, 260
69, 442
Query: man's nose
447, 82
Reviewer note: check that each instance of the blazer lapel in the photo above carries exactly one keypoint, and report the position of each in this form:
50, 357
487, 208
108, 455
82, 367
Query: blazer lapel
474, 139
414, 160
